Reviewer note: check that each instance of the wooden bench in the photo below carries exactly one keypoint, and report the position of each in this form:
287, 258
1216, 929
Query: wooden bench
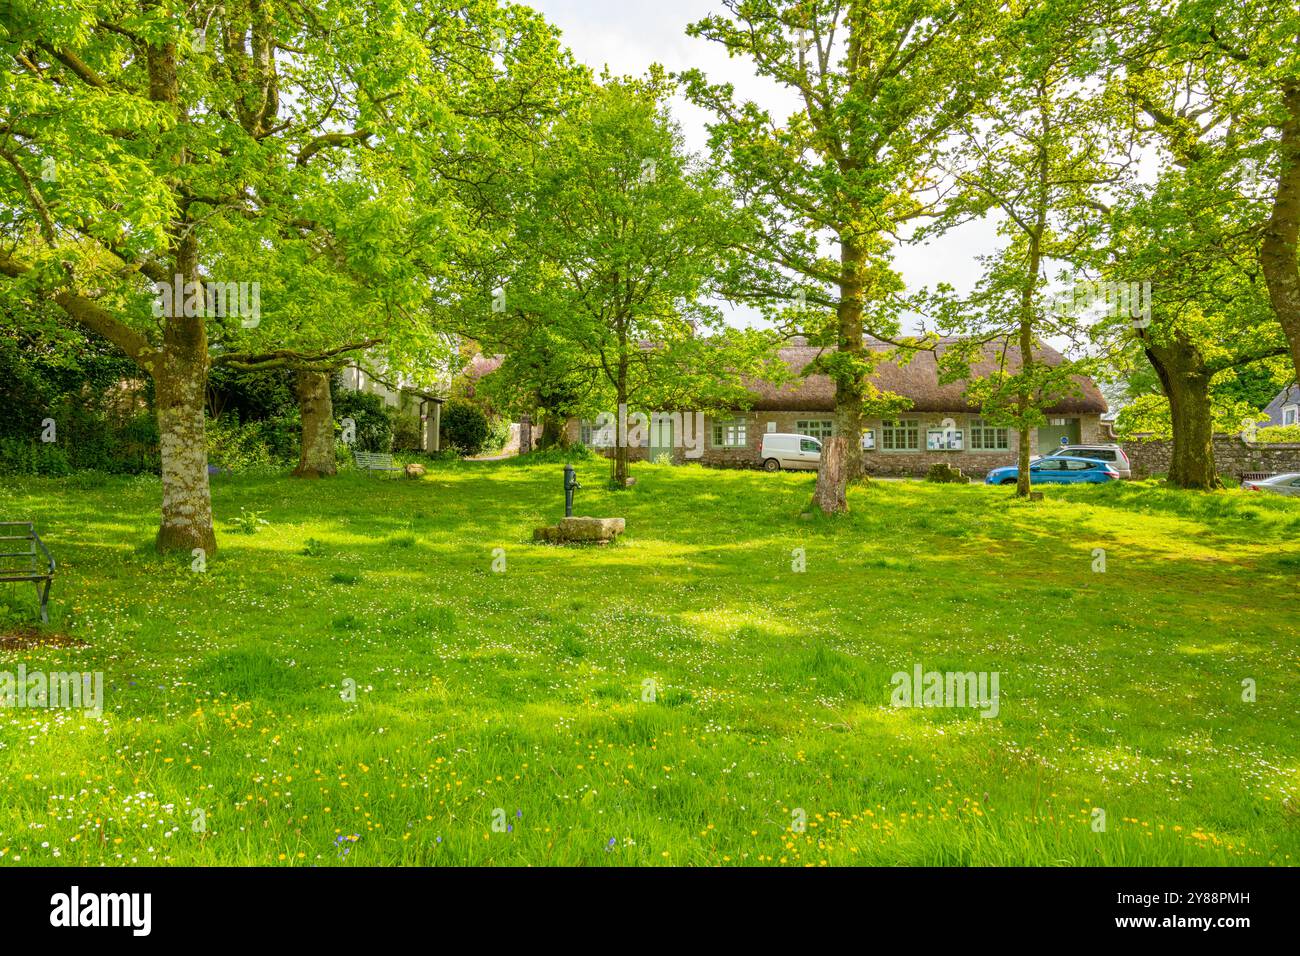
32, 563
373, 461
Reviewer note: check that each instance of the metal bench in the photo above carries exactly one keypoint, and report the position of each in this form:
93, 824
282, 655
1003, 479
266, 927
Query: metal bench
373, 461
33, 564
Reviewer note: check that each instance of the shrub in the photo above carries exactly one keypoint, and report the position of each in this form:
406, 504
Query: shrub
238, 446
1278, 434
406, 433
373, 419
52, 461
464, 426
498, 435
86, 441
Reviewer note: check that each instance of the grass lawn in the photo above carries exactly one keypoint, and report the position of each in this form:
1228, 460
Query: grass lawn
516, 696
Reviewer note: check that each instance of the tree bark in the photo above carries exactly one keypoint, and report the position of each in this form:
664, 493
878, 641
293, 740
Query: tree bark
1278, 251
552, 431
620, 446
1024, 443
1186, 383
181, 373
317, 410
620, 425
1033, 264
181, 380
841, 460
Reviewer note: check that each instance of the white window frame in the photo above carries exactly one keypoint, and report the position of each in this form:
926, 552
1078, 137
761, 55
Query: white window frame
911, 429
1294, 412
979, 433
819, 428
730, 433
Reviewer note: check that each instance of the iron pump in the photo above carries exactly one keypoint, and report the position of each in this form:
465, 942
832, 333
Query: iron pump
570, 486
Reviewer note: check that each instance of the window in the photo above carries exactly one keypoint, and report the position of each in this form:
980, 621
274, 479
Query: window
901, 436
1078, 466
985, 437
597, 434
807, 444
869, 440
816, 428
730, 434
943, 439
1048, 464
1291, 415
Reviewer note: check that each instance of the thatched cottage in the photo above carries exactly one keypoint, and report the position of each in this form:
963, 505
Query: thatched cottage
906, 446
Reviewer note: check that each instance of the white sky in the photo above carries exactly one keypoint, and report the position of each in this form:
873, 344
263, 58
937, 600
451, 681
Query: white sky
629, 35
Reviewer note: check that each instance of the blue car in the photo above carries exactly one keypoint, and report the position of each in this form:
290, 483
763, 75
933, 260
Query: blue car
1057, 470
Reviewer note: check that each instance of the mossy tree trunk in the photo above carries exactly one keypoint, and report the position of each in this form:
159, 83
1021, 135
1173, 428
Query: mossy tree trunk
1281, 244
841, 460
1185, 380
180, 373
316, 407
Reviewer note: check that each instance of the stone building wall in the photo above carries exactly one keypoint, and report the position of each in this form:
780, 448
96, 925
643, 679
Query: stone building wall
975, 464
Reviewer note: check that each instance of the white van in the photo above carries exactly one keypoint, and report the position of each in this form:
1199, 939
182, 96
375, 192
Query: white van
794, 452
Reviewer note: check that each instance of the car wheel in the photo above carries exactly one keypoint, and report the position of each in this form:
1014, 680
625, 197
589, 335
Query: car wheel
1008, 481
771, 465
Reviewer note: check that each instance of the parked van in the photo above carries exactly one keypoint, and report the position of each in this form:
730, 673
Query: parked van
794, 452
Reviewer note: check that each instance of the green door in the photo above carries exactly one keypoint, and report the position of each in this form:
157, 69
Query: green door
1050, 435
661, 437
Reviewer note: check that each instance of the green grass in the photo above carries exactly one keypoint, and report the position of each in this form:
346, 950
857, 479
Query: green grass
521, 692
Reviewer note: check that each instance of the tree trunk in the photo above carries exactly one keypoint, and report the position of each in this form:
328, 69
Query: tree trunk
1186, 383
620, 450
1024, 453
1279, 249
1028, 312
181, 379
317, 409
841, 460
181, 373
1025, 434
552, 431
620, 424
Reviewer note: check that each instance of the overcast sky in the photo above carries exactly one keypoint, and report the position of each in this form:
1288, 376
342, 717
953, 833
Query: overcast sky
629, 35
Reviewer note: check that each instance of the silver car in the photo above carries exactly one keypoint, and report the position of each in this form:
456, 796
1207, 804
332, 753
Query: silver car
1288, 484
1112, 455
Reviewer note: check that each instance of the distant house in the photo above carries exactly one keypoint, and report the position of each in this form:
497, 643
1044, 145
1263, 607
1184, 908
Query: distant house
423, 406
1285, 408
941, 426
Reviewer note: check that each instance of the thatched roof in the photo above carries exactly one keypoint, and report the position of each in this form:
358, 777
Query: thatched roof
917, 379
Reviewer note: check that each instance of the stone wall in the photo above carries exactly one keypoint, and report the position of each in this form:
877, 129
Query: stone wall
1232, 457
